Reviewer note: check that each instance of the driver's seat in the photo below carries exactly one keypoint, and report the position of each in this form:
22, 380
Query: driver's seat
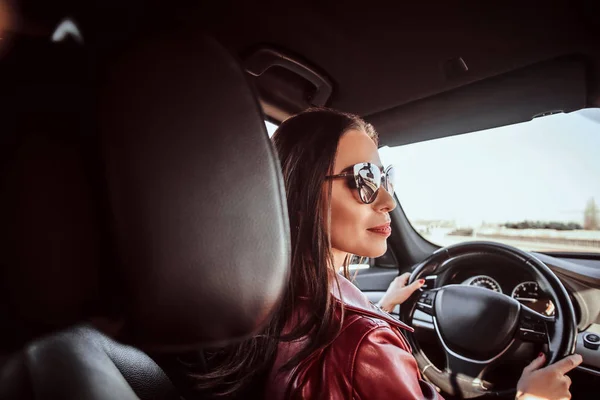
165, 228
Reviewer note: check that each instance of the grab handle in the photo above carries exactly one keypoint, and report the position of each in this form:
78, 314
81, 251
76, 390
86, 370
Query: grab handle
265, 58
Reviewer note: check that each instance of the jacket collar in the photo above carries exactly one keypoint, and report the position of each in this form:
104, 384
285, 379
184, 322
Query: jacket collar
353, 299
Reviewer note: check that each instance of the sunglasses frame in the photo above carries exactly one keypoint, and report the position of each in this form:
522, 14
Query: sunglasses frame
356, 184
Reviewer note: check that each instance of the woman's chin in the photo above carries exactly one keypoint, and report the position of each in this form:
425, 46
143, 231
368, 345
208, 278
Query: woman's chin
372, 252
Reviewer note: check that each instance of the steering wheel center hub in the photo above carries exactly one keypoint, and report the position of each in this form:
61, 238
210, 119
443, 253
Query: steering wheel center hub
475, 322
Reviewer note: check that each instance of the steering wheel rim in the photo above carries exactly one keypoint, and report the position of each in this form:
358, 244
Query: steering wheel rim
560, 331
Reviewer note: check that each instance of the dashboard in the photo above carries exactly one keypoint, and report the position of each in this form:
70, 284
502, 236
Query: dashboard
527, 293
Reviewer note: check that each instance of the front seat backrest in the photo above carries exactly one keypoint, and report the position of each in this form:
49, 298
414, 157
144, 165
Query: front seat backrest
185, 227
187, 193
195, 190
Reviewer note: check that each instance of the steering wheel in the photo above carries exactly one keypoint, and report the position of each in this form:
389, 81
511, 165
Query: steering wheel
478, 327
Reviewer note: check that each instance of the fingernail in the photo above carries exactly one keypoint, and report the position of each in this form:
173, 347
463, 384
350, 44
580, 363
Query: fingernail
541, 354
421, 281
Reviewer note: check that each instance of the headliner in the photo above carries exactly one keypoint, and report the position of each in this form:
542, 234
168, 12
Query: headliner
380, 57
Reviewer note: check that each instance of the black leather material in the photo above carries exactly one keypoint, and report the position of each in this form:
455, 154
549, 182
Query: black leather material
143, 190
81, 363
460, 306
157, 193
199, 215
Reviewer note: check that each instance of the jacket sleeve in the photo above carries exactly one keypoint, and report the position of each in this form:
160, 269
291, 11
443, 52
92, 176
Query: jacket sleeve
384, 369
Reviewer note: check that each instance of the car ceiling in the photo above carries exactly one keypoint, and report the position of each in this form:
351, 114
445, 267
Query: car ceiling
378, 55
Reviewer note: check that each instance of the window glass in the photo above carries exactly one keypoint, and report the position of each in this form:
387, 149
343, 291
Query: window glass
271, 128
533, 185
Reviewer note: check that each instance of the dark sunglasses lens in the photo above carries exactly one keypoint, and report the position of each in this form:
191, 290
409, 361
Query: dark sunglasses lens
368, 178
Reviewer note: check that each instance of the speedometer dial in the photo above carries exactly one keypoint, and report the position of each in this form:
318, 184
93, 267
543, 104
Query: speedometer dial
483, 281
530, 295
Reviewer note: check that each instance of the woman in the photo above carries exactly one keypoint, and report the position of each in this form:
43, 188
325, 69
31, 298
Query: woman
327, 340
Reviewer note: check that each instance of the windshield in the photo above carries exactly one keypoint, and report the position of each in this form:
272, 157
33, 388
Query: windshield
533, 185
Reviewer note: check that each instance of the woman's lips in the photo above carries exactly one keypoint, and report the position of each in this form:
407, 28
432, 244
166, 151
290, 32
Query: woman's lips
384, 230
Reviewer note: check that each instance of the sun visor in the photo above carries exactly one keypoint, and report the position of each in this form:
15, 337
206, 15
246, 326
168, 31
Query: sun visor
538, 90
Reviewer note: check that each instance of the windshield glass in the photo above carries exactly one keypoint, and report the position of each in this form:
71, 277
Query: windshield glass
533, 185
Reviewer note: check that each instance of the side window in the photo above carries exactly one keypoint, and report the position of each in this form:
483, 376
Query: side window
357, 262
271, 128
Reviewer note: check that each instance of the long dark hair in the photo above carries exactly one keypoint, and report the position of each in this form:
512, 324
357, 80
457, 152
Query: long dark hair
306, 145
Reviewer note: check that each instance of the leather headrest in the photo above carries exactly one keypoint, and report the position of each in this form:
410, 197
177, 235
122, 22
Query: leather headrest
177, 214
200, 218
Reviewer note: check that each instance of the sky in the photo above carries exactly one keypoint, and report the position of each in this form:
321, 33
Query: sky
545, 169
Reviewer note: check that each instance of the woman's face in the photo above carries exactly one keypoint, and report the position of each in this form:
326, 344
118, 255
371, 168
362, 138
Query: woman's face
353, 223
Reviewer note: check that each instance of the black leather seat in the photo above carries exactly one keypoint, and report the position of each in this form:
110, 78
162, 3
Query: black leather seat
142, 192
82, 363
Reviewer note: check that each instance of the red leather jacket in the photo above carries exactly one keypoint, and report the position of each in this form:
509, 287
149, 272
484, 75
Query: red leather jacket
369, 359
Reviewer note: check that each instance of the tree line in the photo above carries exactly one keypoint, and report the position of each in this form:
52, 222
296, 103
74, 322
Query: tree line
559, 226
591, 221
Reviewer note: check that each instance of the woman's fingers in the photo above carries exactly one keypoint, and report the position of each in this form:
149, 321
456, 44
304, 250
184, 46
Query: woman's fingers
549, 382
413, 287
398, 291
403, 279
567, 364
536, 364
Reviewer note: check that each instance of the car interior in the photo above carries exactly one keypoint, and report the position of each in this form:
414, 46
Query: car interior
143, 209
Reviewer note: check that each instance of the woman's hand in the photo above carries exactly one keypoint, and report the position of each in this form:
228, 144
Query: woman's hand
398, 292
549, 383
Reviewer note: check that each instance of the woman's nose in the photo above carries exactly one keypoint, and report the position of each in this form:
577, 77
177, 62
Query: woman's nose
385, 201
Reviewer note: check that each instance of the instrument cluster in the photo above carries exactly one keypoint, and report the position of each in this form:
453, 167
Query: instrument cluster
527, 293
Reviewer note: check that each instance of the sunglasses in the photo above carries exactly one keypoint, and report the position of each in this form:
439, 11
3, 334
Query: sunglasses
368, 178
